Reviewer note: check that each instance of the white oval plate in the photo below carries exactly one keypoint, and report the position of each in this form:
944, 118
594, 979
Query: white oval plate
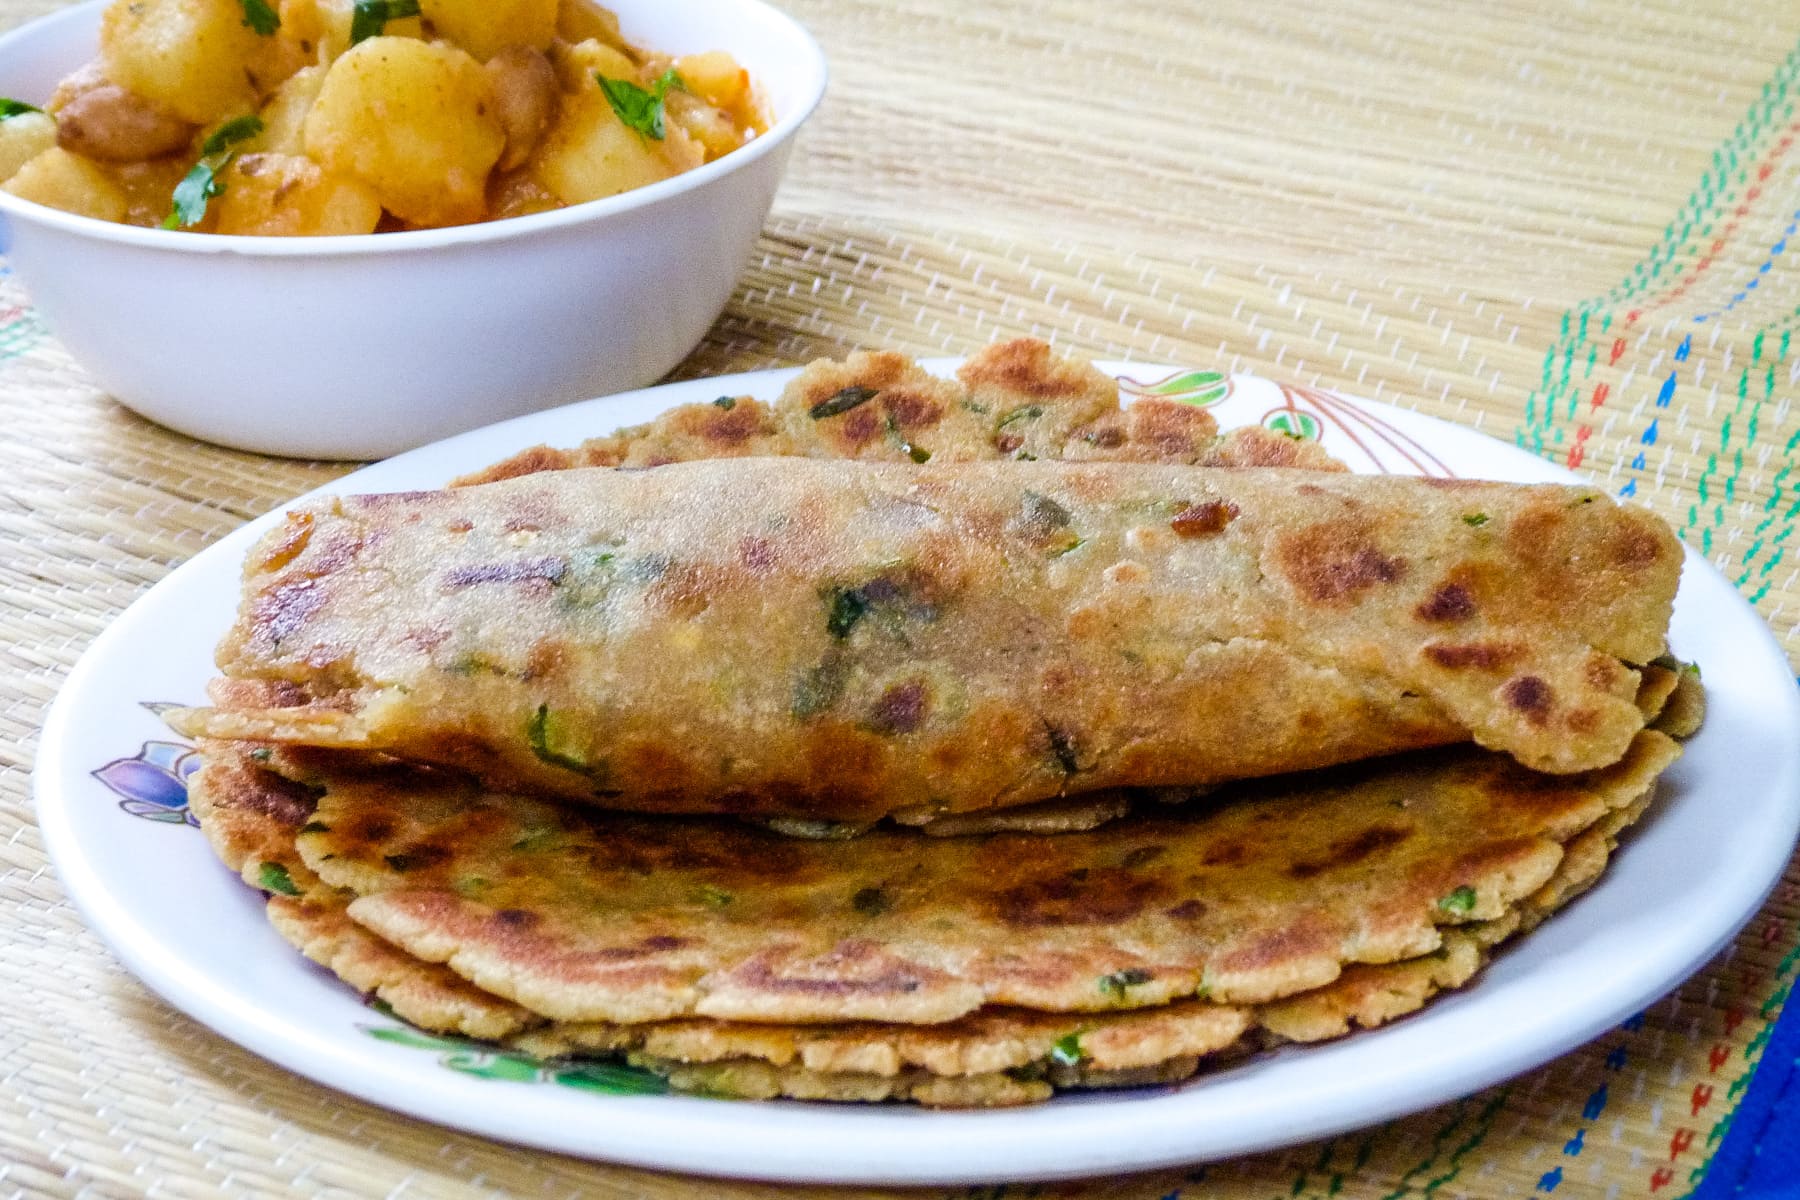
1690, 875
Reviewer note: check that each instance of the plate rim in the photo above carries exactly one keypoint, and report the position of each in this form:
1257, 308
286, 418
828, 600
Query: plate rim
963, 1149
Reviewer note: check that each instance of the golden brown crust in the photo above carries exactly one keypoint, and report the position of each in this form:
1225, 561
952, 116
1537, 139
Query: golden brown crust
842, 641
626, 919
1013, 400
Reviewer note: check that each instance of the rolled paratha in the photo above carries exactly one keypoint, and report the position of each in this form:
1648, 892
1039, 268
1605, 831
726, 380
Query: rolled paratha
844, 640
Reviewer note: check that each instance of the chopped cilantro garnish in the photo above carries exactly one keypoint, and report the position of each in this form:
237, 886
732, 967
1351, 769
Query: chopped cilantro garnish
546, 733
1066, 1050
261, 754
639, 109
1115, 985
16, 108
1459, 903
714, 897
273, 877
917, 453
1029, 413
258, 15
848, 606
370, 17
841, 401
1073, 546
1475, 520
315, 827
201, 183
725, 402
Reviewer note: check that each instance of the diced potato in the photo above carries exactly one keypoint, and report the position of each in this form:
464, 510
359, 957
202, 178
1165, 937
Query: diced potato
715, 77
98, 119
712, 129
486, 27
67, 181
23, 138
322, 27
275, 61
579, 20
191, 57
590, 153
149, 189
413, 120
576, 65
282, 195
284, 116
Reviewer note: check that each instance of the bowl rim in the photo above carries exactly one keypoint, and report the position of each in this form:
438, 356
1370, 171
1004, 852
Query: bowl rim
811, 66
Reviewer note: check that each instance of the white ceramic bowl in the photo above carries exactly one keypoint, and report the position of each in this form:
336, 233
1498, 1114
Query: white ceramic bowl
359, 347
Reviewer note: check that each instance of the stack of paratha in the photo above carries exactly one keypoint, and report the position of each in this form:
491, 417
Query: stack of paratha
951, 780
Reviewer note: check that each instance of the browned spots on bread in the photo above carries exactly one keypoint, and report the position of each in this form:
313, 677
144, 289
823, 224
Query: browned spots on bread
759, 555
1027, 367
295, 534
1482, 656
1636, 546
539, 572
1170, 430
901, 708
1097, 896
1529, 695
1450, 602
855, 967
1203, 519
1332, 562
527, 462
1351, 850
1304, 939
910, 408
283, 610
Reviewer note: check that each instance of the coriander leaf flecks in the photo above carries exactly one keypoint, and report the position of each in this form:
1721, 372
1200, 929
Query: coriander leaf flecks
201, 183
1066, 1050
640, 109
262, 18
848, 606
1475, 520
370, 17
546, 733
1116, 984
15, 108
1459, 903
713, 897
238, 129
273, 877
725, 402
841, 401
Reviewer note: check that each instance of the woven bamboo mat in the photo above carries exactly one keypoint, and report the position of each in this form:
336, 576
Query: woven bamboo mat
1566, 225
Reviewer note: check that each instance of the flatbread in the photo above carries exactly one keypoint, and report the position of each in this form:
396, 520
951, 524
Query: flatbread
995, 1057
845, 641
586, 916
1015, 400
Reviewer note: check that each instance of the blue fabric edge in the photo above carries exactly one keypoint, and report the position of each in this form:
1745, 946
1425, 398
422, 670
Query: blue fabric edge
1760, 1156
